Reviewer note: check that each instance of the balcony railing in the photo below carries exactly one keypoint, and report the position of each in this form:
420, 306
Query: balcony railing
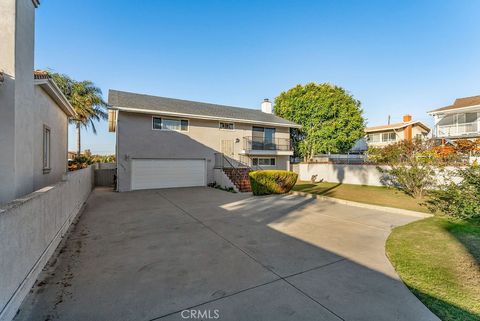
260, 143
457, 129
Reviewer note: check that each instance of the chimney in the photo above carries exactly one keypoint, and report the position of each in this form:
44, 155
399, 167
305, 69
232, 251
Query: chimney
267, 106
407, 135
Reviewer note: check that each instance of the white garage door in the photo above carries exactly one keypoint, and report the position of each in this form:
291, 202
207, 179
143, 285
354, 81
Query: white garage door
163, 173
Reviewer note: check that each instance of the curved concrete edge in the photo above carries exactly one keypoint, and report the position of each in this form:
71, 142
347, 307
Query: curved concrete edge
364, 205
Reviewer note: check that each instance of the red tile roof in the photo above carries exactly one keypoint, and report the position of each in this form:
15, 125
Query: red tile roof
40, 74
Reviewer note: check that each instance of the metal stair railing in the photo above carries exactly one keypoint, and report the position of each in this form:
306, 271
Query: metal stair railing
237, 171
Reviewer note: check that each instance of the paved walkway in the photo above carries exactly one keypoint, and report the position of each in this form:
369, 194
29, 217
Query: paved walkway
201, 253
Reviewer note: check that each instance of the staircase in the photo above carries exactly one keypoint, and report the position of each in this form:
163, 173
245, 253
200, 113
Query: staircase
239, 177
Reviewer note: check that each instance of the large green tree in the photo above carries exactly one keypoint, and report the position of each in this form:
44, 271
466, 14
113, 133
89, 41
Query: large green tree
86, 99
331, 118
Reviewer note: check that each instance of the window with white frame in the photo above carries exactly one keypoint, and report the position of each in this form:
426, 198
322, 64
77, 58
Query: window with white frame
374, 138
161, 123
263, 161
226, 126
46, 149
389, 137
419, 136
382, 137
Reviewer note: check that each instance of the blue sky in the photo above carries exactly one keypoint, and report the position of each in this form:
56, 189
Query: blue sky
394, 56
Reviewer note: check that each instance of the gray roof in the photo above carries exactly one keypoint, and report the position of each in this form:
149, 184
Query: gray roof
147, 103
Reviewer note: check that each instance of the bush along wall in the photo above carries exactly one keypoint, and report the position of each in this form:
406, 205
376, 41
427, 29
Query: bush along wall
265, 182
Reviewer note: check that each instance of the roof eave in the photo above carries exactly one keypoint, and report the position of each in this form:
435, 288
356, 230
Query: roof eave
452, 110
196, 116
398, 127
49, 86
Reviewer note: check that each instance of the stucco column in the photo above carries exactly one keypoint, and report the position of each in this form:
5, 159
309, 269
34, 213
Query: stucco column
17, 22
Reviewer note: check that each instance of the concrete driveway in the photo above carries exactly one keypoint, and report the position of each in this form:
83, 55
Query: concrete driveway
201, 253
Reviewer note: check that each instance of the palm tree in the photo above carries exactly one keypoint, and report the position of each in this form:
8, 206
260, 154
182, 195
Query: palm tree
86, 99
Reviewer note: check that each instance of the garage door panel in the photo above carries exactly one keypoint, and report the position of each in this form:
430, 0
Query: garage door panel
164, 173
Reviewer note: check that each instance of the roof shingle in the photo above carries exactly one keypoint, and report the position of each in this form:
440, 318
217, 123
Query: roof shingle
158, 104
460, 103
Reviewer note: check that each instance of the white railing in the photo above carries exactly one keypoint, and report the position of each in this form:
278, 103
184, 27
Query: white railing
457, 129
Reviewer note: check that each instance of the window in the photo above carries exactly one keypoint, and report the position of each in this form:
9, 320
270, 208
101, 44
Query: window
448, 120
263, 138
267, 134
227, 126
46, 149
374, 138
170, 124
458, 124
389, 137
471, 117
256, 161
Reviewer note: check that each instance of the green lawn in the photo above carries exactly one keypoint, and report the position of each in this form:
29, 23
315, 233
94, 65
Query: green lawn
383, 196
439, 260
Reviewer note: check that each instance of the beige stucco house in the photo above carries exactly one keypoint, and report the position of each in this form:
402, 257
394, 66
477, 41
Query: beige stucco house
408, 129
461, 120
164, 142
33, 111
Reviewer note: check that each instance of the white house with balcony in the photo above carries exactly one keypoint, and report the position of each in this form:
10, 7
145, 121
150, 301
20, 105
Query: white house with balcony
461, 120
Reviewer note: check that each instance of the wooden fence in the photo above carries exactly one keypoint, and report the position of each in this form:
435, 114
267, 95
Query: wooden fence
105, 177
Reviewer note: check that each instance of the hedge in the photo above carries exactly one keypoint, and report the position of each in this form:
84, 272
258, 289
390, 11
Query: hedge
266, 182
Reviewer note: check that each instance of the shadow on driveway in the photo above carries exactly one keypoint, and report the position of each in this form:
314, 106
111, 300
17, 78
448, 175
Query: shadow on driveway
165, 254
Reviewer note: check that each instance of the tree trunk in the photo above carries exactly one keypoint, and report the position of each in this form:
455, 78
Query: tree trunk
78, 140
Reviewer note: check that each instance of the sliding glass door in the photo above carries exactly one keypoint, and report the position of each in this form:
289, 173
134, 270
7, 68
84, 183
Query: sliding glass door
263, 138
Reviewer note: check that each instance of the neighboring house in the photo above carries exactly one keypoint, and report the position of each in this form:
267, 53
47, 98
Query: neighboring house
163, 142
33, 111
409, 129
458, 121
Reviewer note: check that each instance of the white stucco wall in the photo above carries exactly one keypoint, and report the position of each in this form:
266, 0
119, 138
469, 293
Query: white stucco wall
24, 108
359, 174
31, 229
341, 173
49, 114
24, 96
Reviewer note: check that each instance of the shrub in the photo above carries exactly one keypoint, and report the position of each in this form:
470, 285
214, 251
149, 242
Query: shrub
411, 166
79, 162
266, 182
460, 200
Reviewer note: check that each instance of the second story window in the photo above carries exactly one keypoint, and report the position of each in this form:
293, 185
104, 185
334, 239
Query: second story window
161, 123
263, 138
226, 126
